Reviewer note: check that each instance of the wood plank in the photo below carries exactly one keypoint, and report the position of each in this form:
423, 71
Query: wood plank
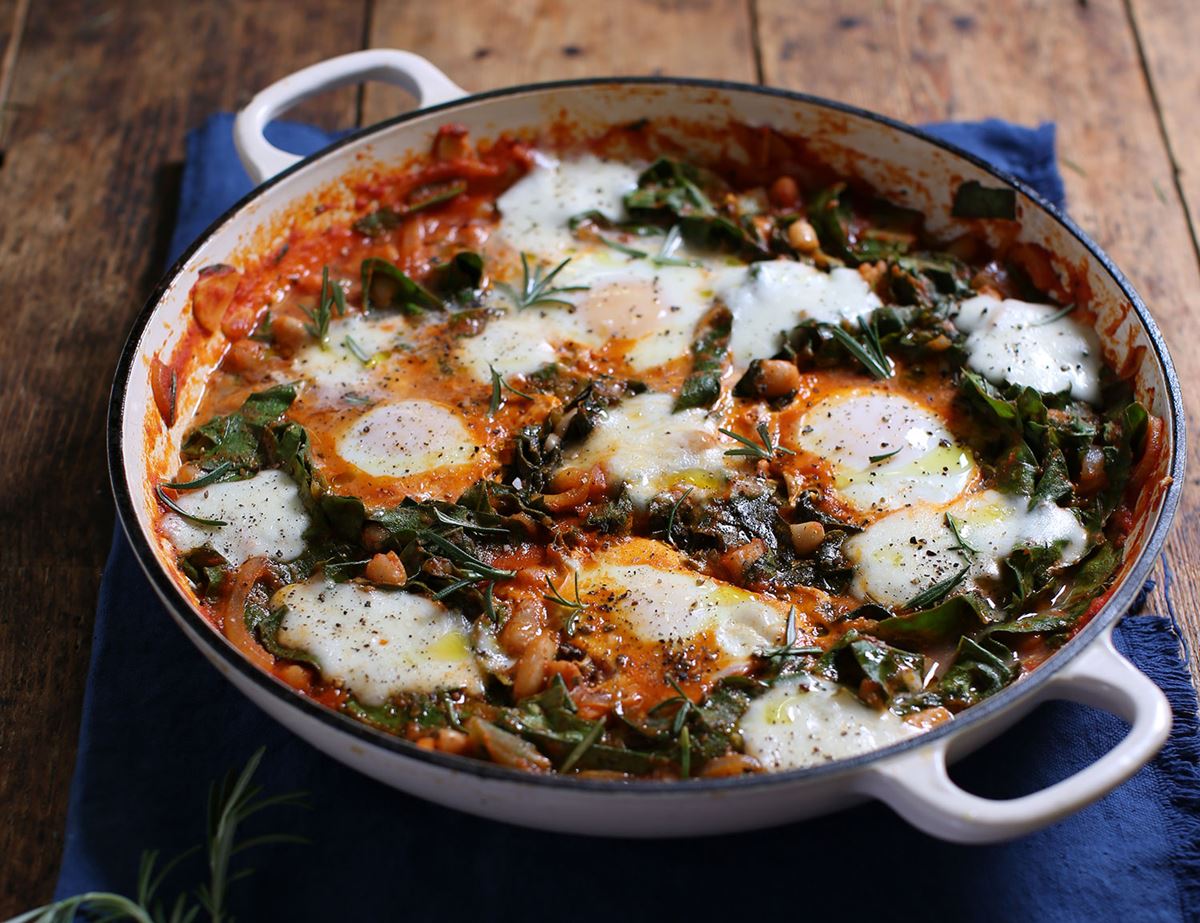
496, 43
104, 95
1167, 31
13, 14
1029, 61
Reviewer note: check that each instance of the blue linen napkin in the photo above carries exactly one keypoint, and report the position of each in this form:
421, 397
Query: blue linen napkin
159, 723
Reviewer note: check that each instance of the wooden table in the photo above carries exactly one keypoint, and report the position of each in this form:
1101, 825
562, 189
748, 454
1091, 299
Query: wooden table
96, 99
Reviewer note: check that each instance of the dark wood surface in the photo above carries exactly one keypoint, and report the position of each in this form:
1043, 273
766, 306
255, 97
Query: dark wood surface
95, 99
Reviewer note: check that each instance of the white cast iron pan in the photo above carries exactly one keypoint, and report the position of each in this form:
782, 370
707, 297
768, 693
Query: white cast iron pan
901, 163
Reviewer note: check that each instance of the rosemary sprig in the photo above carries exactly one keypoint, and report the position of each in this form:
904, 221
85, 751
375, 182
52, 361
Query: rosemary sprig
574, 607
960, 544
1056, 316
333, 298
766, 451
536, 288
499, 385
789, 648
230, 804
203, 481
670, 244
476, 569
876, 459
489, 603
465, 525
675, 509
939, 591
869, 352
622, 248
357, 351
580, 749
685, 754
180, 511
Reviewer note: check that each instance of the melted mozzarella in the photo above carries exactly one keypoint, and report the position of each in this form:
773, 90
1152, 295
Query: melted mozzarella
406, 438
263, 516
909, 551
661, 605
806, 722
1018, 342
378, 642
335, 365
642, 443
852, 426
768, 298
535, 209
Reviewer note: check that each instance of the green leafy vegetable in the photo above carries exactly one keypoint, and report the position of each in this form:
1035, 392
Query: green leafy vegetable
231, 802
702, 387
974, 200
386, 286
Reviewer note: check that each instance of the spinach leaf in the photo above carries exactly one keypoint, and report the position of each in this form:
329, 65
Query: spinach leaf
940, 624
236, 440
459, 277
1029, 567
385, 219
702, 387
856, 657
263, 625
974, 200
672, 192
386, 286
980, 669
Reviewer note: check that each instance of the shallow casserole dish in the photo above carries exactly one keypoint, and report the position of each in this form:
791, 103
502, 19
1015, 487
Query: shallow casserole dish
909, 168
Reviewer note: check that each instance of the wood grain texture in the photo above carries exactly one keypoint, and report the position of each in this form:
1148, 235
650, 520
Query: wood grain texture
1168, 31
103, 94
487, 44
100, 96
1030, 61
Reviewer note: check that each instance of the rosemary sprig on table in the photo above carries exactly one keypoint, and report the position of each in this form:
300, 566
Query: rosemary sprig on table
536, 288
230, 803
751, 449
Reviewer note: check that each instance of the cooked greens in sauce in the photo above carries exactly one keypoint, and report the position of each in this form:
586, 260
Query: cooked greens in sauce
591, 462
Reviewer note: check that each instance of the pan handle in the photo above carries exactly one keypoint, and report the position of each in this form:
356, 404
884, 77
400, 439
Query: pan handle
263, 160
917, 786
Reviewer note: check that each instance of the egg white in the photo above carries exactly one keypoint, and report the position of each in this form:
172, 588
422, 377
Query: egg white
334, 366
908, 551
804, 721
643, 444
536, 209
770, 297
378, 642
263, 515
1024, 344
854, 425
405, 438
659, 600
